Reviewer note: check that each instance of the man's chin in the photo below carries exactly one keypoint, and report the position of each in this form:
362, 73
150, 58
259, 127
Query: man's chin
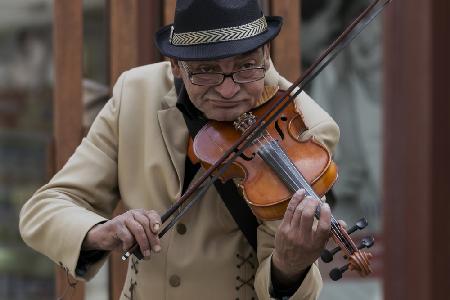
226, 117
223, 115
222, 118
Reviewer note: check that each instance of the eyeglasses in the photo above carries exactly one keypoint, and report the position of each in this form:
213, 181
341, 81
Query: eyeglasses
216, 78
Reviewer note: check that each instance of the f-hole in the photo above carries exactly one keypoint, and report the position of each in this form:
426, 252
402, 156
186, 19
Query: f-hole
245, 157
278, 128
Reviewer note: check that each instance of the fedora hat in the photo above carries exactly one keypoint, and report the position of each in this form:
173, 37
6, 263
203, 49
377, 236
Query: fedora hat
213, 29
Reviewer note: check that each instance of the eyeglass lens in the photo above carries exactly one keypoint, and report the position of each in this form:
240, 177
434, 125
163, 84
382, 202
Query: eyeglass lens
242, 76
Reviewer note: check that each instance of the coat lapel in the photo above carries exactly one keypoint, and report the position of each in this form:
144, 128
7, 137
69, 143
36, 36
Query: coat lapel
175, 135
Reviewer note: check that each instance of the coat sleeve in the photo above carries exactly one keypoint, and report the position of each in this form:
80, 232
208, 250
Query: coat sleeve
323, 128
55, 220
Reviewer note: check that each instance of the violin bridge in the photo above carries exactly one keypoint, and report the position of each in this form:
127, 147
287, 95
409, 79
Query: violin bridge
244, 122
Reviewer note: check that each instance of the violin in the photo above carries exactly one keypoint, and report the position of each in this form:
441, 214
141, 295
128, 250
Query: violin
266, 136
275, 166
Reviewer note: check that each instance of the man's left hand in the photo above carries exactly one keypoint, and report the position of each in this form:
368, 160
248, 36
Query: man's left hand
298, 243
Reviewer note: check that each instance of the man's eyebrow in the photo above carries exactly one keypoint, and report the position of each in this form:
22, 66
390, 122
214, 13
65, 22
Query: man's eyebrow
208, 63
204, 64
247, 54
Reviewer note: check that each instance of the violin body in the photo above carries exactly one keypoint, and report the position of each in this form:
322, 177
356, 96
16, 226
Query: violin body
262, 188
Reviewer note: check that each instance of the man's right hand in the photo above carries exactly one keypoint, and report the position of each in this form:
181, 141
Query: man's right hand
137, 225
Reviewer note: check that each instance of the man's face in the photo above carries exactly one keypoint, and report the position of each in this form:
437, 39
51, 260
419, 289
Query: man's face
228, 100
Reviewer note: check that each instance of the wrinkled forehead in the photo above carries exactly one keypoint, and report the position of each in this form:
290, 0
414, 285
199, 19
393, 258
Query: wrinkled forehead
257, 54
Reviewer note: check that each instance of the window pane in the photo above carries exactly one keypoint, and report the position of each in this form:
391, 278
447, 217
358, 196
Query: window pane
25, 140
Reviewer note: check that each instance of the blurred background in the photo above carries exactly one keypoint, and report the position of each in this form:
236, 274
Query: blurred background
350, 89
26, 126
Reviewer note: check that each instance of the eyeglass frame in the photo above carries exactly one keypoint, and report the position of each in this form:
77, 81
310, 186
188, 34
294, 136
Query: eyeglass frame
225, 75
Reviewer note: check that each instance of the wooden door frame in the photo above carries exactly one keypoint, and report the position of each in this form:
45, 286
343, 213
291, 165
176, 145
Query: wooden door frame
67, 105
416, 150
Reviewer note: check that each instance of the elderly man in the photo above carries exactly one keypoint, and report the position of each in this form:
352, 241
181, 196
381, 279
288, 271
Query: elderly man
136, 151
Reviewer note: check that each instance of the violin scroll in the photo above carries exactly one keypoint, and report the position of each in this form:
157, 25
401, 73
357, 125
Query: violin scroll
358, 260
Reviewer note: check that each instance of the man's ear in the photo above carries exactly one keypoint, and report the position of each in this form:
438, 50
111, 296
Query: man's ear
176, 70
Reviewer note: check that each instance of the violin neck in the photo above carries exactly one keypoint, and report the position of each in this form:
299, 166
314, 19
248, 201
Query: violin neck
272, 154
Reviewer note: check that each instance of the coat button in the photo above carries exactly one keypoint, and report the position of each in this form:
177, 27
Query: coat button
181, 228
174, 280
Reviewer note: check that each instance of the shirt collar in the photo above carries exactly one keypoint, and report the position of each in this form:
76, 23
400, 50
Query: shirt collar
184, 104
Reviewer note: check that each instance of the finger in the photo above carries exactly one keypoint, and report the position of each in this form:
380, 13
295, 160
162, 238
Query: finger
155, 221
324, 225
293, 206
124, 236
141, 218
307, 219
296, 219
139, 234
343, 224
155, 224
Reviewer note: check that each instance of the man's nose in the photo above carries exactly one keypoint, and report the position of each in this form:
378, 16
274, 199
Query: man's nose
228, 88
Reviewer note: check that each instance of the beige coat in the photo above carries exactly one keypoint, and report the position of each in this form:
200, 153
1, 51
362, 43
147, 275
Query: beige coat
135, 151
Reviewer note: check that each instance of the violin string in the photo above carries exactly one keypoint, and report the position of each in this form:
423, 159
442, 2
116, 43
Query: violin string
334, 229
289, 174
286, 162
268, 139
273, 158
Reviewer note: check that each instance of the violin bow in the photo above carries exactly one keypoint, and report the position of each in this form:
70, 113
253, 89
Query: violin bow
199, 187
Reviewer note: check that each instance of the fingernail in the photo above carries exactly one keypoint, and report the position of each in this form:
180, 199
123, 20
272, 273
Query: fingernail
147, 253
156, 227
157, 248
300, 192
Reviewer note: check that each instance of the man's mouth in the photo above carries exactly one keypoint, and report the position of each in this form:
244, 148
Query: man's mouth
225, 103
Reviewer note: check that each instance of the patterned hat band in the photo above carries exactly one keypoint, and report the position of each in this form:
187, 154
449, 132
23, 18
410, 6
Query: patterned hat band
219, 35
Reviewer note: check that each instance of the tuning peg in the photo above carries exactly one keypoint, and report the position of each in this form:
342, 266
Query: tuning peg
327, 255
336, 273
360, 224
366, 242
